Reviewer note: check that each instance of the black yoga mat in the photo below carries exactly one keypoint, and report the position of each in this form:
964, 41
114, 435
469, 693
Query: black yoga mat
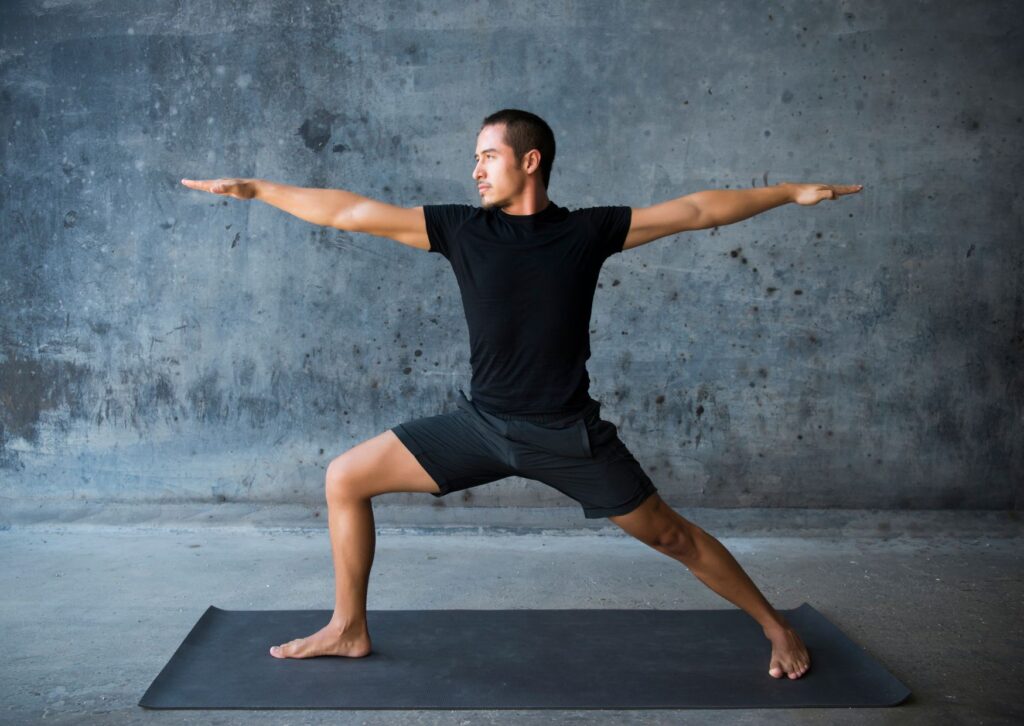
518, 659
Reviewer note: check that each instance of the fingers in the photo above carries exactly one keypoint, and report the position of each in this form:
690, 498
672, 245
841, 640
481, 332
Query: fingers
215, 186
203, 185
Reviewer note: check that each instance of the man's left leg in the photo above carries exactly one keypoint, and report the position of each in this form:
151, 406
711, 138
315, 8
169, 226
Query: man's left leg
659, 526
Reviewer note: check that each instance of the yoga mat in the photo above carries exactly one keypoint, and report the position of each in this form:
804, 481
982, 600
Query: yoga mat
518, 659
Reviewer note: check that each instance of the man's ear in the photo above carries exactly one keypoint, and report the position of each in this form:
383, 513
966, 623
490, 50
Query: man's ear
532, 157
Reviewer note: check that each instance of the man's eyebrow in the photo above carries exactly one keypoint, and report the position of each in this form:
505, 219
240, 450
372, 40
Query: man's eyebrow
485, 151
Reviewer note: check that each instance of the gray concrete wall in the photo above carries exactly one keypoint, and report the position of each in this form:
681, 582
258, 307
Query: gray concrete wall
163, 345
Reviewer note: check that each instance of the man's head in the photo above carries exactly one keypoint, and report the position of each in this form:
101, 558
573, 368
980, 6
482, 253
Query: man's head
514, 151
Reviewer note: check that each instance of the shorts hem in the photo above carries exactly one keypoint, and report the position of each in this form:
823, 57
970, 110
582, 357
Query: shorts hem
424, 460
597, 513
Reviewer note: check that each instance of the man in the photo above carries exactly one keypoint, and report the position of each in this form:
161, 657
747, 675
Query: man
527, 270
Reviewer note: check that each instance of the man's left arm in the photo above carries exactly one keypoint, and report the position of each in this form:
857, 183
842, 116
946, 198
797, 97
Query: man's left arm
719, 207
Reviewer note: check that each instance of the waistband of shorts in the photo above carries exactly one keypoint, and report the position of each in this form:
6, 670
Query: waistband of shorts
544, 418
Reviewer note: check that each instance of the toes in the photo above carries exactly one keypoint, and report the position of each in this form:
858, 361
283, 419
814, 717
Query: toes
775, 671
285, 650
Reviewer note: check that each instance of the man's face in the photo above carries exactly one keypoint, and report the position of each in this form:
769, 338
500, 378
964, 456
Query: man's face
496, 174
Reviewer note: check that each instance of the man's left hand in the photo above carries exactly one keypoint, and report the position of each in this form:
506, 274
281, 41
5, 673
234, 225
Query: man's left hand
810, 194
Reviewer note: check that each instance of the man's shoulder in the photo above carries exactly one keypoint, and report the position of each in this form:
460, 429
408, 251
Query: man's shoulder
602, 214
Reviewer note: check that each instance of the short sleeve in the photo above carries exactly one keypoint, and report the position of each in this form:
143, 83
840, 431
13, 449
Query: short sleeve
443, 221
609, 227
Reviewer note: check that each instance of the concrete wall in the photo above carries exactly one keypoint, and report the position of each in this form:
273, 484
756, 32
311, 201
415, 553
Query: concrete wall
163, 345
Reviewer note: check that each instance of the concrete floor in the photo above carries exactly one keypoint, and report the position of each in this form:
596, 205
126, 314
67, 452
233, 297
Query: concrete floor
92, 609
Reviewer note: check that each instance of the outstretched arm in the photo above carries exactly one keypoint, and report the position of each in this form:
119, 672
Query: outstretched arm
327, 207
719, 207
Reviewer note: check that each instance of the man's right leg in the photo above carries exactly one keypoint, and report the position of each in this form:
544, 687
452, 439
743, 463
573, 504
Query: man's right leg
376, 466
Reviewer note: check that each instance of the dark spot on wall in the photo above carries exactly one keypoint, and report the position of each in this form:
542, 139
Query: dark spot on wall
770, 290
417, 352
29, 388
700, 411
407, 370
163, 389
762, 372
235, 240
340, 148
205, 397
316, 131
70, 218
787, 96
798, 292
614, 283
659, 400
970, 250
99, 327
735, 252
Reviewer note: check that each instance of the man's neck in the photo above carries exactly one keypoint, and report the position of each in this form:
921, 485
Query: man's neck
528, 206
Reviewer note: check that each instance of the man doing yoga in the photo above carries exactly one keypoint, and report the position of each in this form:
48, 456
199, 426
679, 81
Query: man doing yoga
527, 270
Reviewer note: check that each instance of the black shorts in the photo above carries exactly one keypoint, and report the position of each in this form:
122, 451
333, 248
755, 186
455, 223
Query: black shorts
580, 456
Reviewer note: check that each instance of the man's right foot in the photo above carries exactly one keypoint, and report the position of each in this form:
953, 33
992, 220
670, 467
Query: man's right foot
353, 642
789, 654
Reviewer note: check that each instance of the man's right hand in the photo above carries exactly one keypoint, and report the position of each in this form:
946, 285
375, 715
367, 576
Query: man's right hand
237, 188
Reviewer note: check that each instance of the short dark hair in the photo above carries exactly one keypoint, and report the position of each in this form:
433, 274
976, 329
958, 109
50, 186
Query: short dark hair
525, 131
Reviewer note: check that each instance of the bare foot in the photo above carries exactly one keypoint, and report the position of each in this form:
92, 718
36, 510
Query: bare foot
789, 655
331, 639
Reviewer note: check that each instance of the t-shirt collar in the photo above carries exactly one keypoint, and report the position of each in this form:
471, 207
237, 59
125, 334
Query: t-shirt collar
549, 212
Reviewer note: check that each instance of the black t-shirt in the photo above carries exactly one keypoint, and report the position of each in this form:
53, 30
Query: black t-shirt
527, 284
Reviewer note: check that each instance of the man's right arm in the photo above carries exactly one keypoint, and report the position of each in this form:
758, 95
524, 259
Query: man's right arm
329, 208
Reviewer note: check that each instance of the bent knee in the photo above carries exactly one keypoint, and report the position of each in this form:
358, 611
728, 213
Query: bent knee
677, 541
340, 481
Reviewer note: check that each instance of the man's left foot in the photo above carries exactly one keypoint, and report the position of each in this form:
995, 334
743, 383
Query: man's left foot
789, 655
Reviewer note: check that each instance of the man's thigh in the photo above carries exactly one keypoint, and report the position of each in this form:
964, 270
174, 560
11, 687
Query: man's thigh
608, 483
454, 451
